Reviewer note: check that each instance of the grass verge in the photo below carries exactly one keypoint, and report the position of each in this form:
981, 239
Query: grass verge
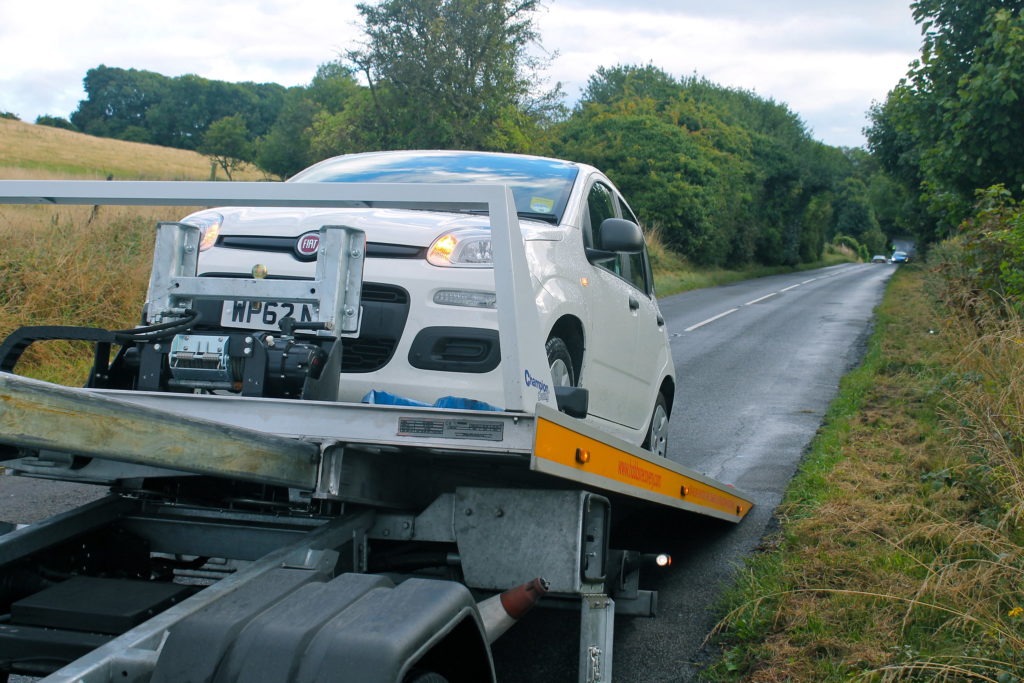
899, 555
673, 274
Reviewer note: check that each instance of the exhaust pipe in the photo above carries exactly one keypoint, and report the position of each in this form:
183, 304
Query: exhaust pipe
500, 612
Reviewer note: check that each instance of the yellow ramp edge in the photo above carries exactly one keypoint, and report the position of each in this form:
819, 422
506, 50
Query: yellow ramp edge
566, 448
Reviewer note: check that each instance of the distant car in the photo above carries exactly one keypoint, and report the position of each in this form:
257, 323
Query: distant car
429, 326
900, 257
878, 258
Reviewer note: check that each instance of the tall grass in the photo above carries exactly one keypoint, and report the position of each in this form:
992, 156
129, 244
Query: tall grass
901, 555
72, 268
79, 265
30, 152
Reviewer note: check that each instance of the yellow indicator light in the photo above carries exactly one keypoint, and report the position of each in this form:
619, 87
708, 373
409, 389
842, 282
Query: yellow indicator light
585, 281
259, 271
209, 236
683, 491
739, 510
444, 247
582, 456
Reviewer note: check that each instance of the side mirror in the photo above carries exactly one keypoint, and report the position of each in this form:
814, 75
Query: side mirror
617, 236
620, 235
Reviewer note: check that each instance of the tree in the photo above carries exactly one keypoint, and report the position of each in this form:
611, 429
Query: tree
855, 216
55, 122
454, 73
285, 149
227, 144
118, 99
610, 84
953, 124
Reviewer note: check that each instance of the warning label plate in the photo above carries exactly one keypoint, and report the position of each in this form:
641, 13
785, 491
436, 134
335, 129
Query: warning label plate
486, 430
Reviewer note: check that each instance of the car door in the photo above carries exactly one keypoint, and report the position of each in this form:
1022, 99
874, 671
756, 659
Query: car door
609, 366
651, 352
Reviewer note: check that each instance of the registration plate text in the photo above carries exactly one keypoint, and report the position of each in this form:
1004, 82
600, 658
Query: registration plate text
263, 315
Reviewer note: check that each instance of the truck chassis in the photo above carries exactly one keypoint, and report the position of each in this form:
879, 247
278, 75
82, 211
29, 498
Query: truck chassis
271, 539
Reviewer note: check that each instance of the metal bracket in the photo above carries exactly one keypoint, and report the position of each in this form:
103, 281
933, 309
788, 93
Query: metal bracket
597, 627
174, 285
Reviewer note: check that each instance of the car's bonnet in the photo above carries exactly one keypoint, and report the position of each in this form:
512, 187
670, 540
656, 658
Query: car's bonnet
390, 226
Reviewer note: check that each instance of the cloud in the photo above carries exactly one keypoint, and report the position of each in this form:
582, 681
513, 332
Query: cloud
827, 66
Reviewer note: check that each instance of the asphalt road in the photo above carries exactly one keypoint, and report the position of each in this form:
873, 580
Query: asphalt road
758, 364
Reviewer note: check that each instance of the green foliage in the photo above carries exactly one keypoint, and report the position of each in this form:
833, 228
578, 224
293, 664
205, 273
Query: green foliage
848, 242
55, 122
953, 124
733, 178
143, 106
227, 144
9, 115
285, 149
730, 177
992, 250
453, 74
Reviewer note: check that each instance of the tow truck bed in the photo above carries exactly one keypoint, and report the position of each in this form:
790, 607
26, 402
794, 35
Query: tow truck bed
330, 540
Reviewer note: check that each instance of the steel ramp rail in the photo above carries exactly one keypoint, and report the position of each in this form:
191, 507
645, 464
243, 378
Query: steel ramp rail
258, 439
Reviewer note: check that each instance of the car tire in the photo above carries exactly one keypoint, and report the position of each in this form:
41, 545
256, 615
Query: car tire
418, 676
657, 432
563, 372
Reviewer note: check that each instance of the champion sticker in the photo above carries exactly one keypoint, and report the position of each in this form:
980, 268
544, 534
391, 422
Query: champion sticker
541, 387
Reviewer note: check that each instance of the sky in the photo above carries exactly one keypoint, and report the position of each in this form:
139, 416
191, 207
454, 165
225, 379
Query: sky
828, 60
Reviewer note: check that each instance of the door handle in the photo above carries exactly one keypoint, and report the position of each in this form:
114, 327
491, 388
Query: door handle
661, 321
633, 303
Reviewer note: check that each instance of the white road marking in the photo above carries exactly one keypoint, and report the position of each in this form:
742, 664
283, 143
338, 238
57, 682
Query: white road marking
811, 280
789, 288
766, 296
712, 319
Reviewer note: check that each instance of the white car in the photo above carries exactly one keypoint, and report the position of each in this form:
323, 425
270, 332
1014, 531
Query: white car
429, 323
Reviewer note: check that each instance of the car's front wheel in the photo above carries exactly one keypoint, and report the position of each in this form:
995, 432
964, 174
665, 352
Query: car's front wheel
563, 373
657, 433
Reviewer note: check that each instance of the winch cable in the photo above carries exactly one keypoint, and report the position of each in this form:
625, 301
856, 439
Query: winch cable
158, 331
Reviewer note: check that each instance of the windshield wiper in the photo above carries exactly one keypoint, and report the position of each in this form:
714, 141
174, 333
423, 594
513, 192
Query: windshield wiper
531, 215
535, 216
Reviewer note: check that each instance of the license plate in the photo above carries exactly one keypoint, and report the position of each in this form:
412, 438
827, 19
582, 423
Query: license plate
262, 315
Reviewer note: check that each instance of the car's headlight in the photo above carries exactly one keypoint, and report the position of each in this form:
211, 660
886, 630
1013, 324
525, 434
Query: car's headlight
470, 248
209, 223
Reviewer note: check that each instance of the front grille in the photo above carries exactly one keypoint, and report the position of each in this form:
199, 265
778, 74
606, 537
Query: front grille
287, 245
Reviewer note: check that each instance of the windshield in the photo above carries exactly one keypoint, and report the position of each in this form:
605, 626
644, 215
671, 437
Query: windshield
539, 186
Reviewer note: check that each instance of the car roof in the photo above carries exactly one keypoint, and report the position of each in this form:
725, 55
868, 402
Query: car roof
583, 168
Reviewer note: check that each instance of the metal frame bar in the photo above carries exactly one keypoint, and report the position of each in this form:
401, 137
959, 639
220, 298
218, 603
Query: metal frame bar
335, 290
519, 333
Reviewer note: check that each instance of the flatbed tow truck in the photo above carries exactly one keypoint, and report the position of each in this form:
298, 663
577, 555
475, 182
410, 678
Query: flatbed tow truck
247, 538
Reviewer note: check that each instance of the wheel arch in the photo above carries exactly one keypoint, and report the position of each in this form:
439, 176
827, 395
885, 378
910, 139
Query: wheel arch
668, 390
461, 656
569, 329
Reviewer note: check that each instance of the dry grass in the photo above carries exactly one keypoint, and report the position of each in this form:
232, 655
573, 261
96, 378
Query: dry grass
79, 265
901, 556
30, 152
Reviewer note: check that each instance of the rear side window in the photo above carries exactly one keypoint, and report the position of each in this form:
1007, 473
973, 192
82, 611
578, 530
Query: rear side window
639, 264
600, 205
